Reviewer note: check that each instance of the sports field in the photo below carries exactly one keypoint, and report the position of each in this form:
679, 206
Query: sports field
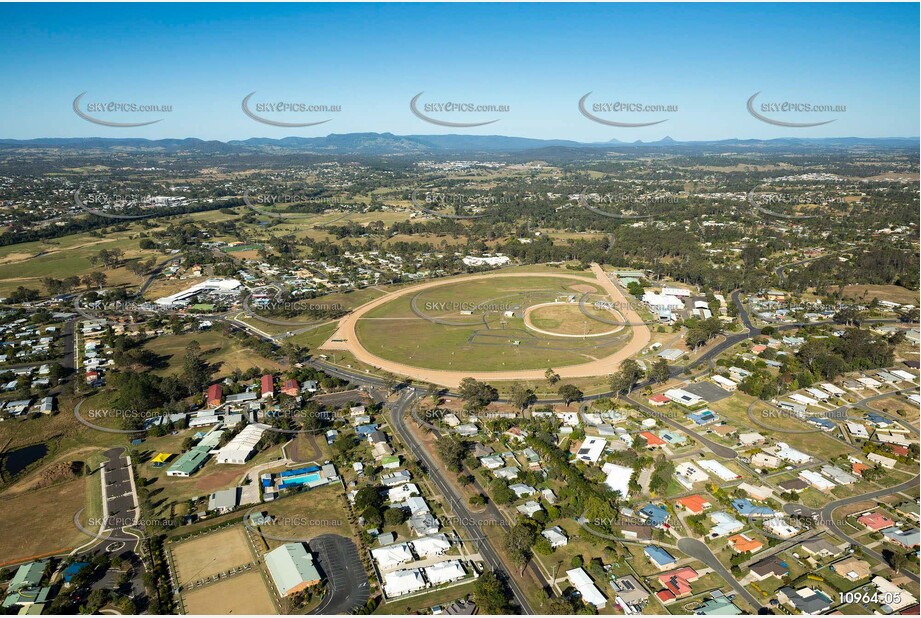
210, 554
240, 595
481, 325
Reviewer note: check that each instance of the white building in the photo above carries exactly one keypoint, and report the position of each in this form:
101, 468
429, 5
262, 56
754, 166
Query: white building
591, 449
398, 583
391, 556
428, 546
241, 446
816, 480
717, 469
788, 453
220, 286
618, 478
586, 587
444, 572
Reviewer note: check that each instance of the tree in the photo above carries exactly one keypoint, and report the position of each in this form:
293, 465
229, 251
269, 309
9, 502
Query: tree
551, 376
452, 452
478, 395
521, 397
394, 516
624, 380
490, 594
659, 371
569, 393
368, 497
518, 543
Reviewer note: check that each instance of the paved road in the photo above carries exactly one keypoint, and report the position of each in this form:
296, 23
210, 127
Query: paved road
465, 519
826, 516
348, 582
699, 551
716, 449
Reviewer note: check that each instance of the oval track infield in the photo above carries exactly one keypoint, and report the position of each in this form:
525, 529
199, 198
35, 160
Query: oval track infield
346, 337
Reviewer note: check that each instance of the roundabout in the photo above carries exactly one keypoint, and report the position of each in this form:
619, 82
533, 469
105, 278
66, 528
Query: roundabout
418, 331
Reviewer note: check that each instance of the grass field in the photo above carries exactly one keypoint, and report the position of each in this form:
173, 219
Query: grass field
245, 594
201, 557
568, 319
50, 510
395, 332
306, 515
225, 353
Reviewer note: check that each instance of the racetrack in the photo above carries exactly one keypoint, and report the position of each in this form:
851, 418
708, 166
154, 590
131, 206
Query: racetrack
346, 338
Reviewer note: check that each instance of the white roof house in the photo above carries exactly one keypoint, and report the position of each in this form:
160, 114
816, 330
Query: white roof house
444, 572
402, 492
806, 401
618, 478
428, 546
591, 449
724, 524
857, 430
586, 587
788, 453
832, 389
717, 469
556, 536
390, 556
402, 582
820, 395
781, 527
816, 480
870, 382
726, 383
750, 438
688, 474
683, 397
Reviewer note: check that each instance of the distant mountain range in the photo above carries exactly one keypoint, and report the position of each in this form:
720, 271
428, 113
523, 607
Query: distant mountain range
417, 145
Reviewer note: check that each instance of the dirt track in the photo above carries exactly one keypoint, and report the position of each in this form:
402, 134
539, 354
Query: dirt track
348, 339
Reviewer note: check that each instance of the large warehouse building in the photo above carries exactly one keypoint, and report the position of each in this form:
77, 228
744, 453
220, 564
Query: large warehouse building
292, 569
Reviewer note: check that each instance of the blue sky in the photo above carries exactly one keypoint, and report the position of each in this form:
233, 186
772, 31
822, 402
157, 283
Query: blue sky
539, 59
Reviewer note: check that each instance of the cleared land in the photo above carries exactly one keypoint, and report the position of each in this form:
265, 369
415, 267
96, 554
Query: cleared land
52, 510
241, 594
210, 554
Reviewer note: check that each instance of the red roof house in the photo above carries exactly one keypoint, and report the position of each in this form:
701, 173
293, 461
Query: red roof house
678, 582
291, 388
268, 385
658, 400
215, 395
652, 440
875, 521
696, 504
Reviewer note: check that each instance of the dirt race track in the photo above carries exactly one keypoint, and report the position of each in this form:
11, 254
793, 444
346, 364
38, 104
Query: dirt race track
346, 338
